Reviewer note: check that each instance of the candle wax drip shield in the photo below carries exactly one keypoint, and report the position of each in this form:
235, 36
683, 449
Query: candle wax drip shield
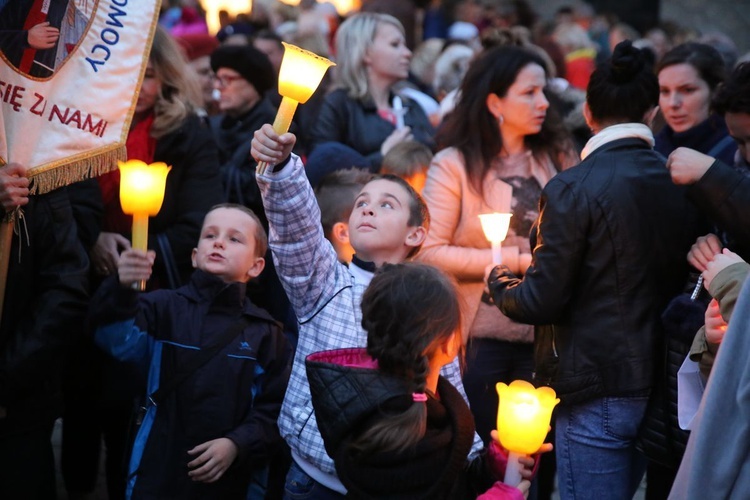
523, 416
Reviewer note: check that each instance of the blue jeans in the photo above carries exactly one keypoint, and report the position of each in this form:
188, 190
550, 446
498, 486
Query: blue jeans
300, 486
595, 448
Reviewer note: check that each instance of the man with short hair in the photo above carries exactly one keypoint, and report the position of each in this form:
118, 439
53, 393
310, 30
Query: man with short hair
243, 75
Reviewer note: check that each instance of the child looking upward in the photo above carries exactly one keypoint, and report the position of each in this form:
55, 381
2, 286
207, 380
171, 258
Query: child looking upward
214, 428
335, 195
388, 224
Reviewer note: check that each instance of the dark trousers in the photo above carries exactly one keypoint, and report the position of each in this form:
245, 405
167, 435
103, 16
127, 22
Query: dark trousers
659, 481
27, 465
99, 394
300, 486
488, 362
81, 444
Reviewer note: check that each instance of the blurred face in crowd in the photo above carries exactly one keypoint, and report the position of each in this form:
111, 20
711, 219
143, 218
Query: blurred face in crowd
684, 97
238, 96
149, 91
388, 57
739, 128
202, 67
524, 107
272, 49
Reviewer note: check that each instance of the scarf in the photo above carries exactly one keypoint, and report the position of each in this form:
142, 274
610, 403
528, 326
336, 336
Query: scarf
615, 132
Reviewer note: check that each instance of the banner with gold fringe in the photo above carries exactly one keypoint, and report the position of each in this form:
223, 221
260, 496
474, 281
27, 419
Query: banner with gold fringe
70, 71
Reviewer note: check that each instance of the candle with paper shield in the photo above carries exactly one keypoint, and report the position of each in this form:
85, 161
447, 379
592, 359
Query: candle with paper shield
300, 74
495, 227
523, 417
141, 195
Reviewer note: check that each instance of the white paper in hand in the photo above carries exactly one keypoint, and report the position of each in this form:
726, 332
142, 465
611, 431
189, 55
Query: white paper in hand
690, 389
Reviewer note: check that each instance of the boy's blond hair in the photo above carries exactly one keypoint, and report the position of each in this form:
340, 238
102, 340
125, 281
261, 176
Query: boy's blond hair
261, 238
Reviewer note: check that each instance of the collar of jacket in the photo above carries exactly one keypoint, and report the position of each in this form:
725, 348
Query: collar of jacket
626, 143
206, 287
701, 137
368, 103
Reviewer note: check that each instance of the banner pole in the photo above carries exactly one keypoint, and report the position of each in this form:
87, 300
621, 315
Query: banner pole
6, 240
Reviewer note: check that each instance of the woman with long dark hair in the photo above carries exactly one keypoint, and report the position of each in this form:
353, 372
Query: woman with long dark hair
502, 144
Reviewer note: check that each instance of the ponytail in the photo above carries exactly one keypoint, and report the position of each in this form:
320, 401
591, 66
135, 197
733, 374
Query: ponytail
400, 431
409, 311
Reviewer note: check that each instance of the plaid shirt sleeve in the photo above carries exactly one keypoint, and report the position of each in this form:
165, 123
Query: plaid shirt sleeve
305, 261
322, 292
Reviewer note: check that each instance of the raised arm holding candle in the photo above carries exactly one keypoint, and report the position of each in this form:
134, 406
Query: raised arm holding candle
300, 74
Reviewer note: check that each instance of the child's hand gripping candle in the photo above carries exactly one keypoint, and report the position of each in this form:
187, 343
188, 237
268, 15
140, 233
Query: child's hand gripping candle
523, 418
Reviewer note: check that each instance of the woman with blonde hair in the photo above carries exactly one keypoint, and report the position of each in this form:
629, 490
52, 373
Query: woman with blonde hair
363, 113
165, 128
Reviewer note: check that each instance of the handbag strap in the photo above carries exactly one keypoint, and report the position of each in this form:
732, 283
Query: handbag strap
719, 146
199, 359
170, 264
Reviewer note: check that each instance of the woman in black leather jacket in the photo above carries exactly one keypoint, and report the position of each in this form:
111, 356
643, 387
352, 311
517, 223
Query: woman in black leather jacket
611, 241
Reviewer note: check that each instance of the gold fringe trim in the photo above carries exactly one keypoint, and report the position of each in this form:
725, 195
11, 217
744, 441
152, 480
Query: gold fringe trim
78, 170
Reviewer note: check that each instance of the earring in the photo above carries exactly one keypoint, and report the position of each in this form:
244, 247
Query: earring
500, 120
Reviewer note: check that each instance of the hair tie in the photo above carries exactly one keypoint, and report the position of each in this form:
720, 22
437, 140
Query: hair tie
419, 397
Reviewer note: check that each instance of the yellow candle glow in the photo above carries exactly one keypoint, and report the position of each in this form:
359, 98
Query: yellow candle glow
523, 418
495, 227
141, 195
299, 76
301, 72
523, 415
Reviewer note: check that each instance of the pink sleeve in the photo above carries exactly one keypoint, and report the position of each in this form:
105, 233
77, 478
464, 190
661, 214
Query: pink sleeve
501, 491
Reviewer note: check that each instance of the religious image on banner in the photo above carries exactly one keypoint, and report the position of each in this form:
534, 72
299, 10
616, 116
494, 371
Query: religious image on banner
36, 41
70, 71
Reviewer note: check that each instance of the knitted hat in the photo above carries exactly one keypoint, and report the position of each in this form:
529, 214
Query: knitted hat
252, 64
196, 46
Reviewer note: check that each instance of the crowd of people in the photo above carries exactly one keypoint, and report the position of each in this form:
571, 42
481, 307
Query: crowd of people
335, 325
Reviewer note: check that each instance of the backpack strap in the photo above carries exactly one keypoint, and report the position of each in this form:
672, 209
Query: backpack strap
199, 359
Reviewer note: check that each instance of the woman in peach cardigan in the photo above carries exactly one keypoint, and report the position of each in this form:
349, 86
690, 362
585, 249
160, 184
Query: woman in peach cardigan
502, 144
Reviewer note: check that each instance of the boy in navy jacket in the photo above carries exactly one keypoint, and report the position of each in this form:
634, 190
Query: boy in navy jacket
207, 435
